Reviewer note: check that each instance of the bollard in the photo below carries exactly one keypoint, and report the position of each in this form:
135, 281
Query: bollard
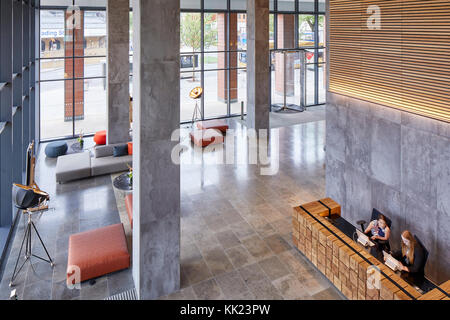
242, 110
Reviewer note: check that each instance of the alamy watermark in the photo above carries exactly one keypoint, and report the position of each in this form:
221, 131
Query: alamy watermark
254, 148
374, 21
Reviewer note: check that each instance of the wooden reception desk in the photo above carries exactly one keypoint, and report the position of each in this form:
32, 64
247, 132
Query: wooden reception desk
347, 264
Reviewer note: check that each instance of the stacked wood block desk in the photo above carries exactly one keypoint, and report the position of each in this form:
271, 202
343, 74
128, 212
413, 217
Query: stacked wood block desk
437, 294
354, 271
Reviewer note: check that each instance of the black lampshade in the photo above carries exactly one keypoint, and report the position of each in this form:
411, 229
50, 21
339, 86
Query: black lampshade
25, 198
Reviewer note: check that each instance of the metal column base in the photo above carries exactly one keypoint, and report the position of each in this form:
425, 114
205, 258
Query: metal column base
288, 108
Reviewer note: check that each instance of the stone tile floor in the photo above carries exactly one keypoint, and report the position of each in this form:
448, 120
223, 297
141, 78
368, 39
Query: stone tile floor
235, 227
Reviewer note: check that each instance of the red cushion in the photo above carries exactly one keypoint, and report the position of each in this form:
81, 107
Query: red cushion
130, 148
97, 252
100, 137
203, 138
218, 124
129, 206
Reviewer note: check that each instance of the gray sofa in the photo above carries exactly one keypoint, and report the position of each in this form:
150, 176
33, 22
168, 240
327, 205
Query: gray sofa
103, 161
80, 165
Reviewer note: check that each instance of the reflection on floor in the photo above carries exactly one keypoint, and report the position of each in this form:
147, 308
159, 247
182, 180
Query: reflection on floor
290, 118
236, 226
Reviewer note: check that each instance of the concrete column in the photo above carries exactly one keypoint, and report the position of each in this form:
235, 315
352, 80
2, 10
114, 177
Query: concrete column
258, 77
156, 114
118, 12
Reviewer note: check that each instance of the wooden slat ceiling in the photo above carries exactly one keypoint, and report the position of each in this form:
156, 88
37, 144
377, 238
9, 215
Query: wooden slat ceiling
404, 65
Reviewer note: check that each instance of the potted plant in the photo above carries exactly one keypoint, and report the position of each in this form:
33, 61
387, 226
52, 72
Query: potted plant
81, 140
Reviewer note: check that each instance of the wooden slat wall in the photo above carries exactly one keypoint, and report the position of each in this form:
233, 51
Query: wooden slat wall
404, 65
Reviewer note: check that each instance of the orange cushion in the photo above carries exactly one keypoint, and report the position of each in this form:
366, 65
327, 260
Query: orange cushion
218, 124
203, 138
130, 148
96, 253
100, 137
129, 206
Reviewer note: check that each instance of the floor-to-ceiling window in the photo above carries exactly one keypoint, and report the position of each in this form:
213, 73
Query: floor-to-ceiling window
214, 43
72, 68
213, 56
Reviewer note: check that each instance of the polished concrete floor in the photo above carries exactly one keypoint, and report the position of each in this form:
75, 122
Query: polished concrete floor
236, 226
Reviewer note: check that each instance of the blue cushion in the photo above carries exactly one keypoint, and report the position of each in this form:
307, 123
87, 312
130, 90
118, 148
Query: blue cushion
121, 150
56, 149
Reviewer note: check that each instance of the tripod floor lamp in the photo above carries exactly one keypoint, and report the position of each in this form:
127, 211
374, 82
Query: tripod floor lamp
29, 200
196, 94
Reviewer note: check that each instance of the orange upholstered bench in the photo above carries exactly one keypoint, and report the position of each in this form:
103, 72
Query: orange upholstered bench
129, 206
218, 124
97, 252
100, 138
203, 138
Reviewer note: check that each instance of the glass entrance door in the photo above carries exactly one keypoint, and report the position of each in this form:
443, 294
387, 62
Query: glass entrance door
288, 80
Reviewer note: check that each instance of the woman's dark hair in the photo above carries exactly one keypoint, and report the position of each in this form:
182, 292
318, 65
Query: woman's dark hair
382, 217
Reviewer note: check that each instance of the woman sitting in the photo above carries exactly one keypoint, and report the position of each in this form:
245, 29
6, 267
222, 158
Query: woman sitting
411, 256
379, 232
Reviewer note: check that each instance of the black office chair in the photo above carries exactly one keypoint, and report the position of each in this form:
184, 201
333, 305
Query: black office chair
425, 256
375, 215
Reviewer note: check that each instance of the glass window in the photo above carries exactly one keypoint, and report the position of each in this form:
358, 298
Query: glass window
310, 77
91, 3
92, 67
190, 32
306, 5
215, 94
215, 4
94, 106
190, 4
188, 81
56, 120
52, 33
95, 33
131, 33
306, 30
286, 5
242, 31
214, 35
322, 6
238, 92
69, 102
238, 4
215, 60
52, 69
286, 31
271, 5
322, 40
322, 83
56, 3
271, 31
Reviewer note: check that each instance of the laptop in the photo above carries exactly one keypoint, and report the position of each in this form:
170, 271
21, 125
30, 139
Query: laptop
363, 239
391, 262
